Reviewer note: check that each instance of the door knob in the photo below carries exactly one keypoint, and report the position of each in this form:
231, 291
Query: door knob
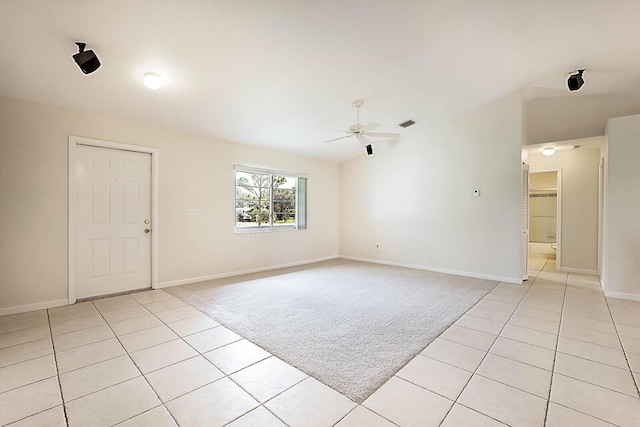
146, 230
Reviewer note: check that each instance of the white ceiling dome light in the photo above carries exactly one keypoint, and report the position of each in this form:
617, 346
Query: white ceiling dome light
549, 151
152, 81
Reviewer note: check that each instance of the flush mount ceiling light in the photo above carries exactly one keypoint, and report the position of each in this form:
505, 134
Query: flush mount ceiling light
575, 81
152, 80
86, 59
549, 151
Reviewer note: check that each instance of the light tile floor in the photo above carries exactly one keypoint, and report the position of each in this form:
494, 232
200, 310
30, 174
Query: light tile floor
551, 352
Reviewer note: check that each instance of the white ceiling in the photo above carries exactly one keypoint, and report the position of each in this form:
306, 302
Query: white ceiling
283, 73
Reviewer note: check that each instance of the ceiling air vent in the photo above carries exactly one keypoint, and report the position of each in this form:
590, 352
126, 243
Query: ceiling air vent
407, 123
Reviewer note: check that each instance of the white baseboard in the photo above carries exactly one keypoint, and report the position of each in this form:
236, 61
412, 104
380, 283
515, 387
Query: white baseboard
578, 270
514, 280
239, 273
33, 307
622, 295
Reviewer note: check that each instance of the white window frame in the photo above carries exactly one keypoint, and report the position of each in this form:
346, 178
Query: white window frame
301, 196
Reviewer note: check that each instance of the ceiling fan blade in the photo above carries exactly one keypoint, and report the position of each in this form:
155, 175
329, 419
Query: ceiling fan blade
370, 127
383, 135
342, 137
363, 140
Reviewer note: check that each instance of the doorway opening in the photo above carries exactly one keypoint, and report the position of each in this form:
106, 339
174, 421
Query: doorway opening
544, 216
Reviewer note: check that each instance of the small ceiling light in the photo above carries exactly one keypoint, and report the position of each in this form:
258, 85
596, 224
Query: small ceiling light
152, 80
549, 151
575, 81
86, 59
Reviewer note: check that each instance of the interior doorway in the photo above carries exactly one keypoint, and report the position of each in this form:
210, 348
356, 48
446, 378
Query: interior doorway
544, 214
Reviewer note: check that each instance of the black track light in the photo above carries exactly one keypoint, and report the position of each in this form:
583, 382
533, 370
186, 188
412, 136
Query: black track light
86, 59
369, 150
575, 81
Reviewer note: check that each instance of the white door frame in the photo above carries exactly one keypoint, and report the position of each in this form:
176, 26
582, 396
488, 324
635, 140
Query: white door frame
524, 212
74, 141
559, 221
601, 178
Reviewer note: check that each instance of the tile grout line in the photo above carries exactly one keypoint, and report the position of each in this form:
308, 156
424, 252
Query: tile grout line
64, 401
228, 376
488, 351
25, 360
587, 382
367, 409
225, 375
439, 337
136, 365
485, 355
609, 423
163, 404
262, 404
555, 353
624, 350
55, 360
199, 354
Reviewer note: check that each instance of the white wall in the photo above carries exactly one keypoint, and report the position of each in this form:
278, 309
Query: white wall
622, 209
195, 172
579, 201
415, 195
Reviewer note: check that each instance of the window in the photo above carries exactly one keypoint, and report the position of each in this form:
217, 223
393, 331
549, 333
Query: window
269, 200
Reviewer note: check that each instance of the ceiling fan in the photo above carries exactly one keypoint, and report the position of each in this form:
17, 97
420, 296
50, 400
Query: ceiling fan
361, 132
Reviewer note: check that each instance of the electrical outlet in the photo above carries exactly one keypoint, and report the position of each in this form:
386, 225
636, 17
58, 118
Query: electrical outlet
429, 256
192, 212
203, 264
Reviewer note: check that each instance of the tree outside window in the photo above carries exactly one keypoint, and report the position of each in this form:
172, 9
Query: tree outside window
265, 200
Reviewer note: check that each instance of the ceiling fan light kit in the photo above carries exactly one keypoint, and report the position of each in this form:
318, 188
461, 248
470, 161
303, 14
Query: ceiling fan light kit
361, 132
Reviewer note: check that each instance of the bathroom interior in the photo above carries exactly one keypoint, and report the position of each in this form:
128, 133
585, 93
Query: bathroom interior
543, 214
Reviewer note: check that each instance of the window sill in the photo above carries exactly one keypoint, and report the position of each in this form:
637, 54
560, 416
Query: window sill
250, 230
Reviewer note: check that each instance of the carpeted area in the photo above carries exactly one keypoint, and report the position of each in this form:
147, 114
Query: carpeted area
351, 325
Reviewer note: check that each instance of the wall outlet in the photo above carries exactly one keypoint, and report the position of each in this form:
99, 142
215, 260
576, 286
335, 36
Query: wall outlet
377, 247
476, 193
203, 264
429, 256
193, 212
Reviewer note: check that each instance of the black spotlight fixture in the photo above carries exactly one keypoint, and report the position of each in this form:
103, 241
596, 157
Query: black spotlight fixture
575, 81
369, 150
86, 59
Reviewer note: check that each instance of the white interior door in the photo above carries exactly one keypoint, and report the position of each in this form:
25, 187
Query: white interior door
113, 235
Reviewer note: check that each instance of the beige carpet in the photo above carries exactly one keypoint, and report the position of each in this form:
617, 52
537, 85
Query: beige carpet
351, 325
